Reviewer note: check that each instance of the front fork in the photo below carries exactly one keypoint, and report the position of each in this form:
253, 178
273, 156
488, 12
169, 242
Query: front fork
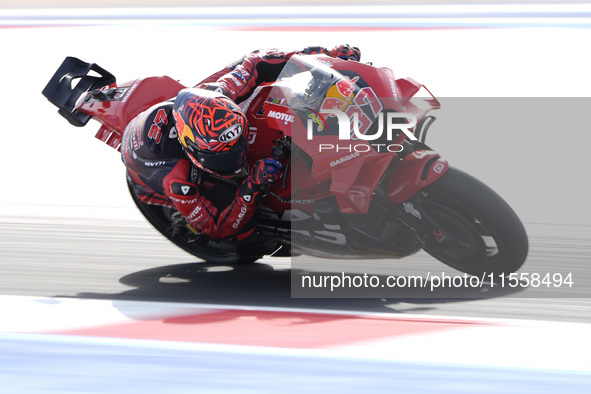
403, 193
428, 232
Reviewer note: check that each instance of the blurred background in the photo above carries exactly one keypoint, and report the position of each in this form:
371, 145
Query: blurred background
468, 49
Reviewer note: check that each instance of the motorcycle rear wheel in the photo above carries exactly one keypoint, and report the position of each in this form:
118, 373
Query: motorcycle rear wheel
160, 218
487, 236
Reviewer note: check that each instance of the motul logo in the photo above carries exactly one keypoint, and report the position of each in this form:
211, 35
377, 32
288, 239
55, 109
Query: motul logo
281, 116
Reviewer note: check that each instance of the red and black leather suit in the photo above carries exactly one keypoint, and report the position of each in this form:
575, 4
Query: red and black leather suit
161, 173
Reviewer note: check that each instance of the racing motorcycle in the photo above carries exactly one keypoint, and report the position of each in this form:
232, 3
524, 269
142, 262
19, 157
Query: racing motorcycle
359, 180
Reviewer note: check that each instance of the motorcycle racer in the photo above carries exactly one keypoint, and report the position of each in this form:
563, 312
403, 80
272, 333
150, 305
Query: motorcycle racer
190, 153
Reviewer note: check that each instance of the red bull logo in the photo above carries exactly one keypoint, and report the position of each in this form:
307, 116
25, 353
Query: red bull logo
346, 86
183, 130
341, 94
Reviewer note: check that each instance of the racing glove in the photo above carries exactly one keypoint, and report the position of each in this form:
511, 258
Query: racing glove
266, 171
315, 51
263, 173
346, 52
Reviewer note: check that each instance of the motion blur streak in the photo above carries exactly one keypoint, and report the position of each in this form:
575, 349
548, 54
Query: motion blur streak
316, 16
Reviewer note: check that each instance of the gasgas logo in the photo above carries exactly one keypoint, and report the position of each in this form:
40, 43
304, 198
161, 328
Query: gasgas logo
344, 159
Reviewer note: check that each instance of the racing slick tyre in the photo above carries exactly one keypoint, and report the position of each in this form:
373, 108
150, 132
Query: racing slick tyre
162, 219
486, 236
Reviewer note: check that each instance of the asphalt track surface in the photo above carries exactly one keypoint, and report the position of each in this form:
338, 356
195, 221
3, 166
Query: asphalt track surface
106, 259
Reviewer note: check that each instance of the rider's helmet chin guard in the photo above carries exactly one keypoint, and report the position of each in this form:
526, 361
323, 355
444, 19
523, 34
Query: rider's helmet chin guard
212, 130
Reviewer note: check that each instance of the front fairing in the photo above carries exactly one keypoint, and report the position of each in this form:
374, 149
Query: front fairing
335, 113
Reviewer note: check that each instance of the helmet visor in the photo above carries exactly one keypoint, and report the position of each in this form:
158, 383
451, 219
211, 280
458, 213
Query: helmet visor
223, 163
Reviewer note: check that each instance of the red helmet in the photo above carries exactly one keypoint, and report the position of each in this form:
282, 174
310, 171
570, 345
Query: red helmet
212, 130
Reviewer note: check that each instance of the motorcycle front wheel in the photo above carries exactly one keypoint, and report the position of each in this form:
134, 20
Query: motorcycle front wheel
485, 235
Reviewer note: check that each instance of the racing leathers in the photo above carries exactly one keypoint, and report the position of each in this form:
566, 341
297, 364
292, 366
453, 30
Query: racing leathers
161, 174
